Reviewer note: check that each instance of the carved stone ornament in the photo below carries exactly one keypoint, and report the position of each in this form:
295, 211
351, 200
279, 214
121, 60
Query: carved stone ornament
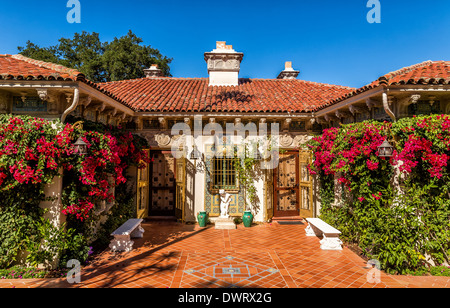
355, 109
414, 98
43, 94
286, 140
330, 243
163, 140
342, 114
301, 140
330, 117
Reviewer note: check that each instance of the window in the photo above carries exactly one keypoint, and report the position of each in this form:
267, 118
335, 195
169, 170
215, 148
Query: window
424, 108
297, 126
224, 174
29, 104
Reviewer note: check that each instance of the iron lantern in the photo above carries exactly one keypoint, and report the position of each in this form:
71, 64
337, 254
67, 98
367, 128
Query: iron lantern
80, 147
385, 149
195, 154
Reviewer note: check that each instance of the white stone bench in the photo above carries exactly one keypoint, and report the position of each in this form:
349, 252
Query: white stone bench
330, 241
122, 236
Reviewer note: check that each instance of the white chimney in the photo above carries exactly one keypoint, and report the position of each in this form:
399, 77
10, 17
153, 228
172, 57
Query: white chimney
153, 71
289, 72
224, 64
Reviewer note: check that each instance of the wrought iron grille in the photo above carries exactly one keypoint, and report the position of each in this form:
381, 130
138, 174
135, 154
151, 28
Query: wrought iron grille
224, 174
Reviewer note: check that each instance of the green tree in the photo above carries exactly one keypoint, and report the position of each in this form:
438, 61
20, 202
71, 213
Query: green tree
123, 58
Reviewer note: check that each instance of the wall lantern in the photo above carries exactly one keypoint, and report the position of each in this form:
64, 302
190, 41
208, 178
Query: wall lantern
385, 149
80, 147
195, 154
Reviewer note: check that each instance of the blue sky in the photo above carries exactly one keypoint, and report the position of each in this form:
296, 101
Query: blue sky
328, 41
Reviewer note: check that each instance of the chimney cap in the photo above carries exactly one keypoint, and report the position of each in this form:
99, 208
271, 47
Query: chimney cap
153, 71
224, 64
289, 72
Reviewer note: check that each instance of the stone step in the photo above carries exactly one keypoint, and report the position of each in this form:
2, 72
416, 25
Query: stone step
224, 224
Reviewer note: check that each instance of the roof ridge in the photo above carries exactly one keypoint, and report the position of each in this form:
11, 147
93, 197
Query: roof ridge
242, 78
406, 69
49, 65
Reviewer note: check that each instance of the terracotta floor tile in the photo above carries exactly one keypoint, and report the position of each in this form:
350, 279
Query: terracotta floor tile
264, 256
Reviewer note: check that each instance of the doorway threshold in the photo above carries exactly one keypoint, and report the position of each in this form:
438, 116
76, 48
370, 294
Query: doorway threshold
161, 218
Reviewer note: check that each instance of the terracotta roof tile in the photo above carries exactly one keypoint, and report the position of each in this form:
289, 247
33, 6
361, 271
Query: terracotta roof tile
428, 72
18, 67
251, 95
194, 95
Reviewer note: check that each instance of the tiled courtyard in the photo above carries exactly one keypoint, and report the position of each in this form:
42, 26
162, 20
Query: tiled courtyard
173, 255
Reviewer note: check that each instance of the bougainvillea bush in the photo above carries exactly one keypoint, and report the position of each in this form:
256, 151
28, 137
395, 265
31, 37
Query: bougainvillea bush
32, 152
396, 210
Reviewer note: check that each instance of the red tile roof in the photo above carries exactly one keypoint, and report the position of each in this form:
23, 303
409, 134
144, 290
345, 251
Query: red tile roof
425, 73
251, 95
194, 94
18, 67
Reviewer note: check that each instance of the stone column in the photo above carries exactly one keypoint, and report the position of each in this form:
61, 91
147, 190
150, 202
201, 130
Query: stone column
54, 206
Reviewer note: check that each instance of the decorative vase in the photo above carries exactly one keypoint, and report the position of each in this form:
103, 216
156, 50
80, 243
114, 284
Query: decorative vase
202, 219
247, 219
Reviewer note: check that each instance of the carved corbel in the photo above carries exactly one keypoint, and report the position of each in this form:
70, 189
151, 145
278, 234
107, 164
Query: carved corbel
52, 103
43, 94
102, 107
321, 121
139, 122
391, 99
432, 100
414, 98
86, 101
342, 114
23, 96
372, 103
163, 122
354, 109
69, 98
330, 117
286, 124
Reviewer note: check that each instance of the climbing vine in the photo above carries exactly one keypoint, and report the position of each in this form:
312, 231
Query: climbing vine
33, 152
396, 210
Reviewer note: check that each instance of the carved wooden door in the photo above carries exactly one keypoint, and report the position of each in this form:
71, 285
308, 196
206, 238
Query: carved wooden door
286, 185
162, 184
306, 185
180, 188
142, 192
268, 194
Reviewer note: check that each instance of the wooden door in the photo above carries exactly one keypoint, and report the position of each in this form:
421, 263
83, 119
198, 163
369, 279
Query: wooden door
306, 185
286, 185
142, 192
180, 188
268, 194
162, 184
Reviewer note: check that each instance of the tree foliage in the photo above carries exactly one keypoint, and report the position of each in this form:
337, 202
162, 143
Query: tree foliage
123, 58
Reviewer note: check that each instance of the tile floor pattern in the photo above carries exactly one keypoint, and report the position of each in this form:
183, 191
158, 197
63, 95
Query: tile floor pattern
173, 255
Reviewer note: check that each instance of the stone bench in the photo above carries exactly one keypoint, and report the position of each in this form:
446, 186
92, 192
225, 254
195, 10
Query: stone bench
330, 241
122, 236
